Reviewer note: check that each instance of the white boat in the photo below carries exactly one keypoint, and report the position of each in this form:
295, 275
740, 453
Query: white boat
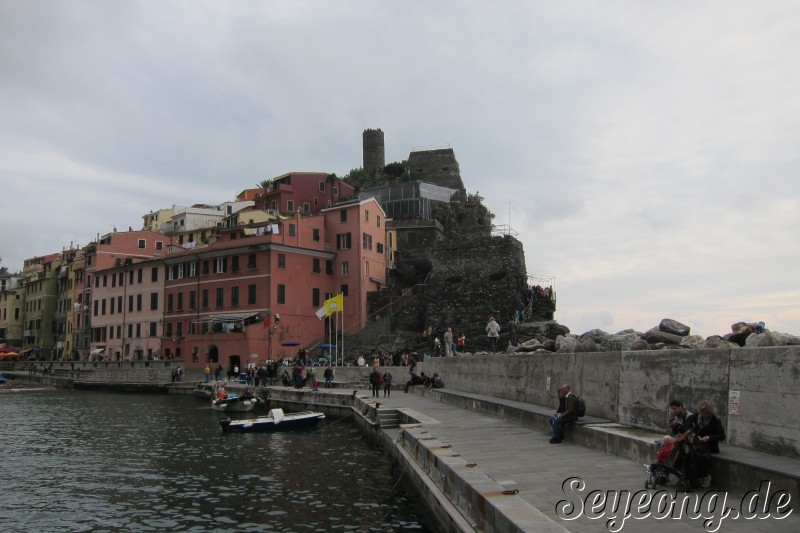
276, 420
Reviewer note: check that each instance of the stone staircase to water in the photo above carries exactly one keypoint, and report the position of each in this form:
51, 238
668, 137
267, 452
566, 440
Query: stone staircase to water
388, 418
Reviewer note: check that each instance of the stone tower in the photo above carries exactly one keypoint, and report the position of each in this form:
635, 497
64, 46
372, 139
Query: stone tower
374, 154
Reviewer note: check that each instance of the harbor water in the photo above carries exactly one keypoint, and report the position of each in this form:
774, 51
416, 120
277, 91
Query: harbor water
96, 461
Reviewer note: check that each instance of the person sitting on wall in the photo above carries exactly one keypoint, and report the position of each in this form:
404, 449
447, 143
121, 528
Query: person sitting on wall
708, 432
416, 380
567, 412
435, 382
678, 415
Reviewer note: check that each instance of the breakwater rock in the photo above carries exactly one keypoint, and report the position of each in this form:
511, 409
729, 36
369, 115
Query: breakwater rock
669, 334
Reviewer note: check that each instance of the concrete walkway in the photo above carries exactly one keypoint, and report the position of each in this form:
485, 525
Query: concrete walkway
521, 458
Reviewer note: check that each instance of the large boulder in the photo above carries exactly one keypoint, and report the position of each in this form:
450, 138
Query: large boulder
639, 345
717, 342
673, 327
566, 344
620, 342
655, 335
693, 342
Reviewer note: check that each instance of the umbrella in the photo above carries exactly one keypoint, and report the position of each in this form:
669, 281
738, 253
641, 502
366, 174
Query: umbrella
327, 346
290, 343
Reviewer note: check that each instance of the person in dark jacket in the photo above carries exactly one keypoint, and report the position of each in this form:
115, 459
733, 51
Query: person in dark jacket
707, 431
707, 428
567, 412
678, 415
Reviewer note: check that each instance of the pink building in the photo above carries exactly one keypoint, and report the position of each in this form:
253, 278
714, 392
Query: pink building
254, 297
307, 192
127, 311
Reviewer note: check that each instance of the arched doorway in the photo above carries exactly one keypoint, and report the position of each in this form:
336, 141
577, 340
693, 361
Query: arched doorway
213, 354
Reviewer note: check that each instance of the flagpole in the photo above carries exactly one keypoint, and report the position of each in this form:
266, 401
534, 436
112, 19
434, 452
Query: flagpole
341, 311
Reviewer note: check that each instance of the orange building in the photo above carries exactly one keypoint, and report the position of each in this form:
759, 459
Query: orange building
253, 293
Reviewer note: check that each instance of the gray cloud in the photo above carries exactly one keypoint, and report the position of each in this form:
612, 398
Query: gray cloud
646, 154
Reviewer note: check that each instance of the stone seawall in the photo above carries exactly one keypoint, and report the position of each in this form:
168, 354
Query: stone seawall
634, 388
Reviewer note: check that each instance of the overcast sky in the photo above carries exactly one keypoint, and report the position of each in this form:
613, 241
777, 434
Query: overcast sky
647, 153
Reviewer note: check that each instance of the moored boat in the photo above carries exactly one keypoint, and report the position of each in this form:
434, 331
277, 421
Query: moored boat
276, 420
235, 403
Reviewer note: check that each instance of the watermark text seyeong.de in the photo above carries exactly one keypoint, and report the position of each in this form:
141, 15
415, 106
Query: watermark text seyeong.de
712, 507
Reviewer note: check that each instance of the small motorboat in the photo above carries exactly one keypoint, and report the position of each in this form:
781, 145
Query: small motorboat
276, 420
235, 403
205, 391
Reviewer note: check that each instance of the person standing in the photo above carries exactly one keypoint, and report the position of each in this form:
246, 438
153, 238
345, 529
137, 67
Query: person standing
462, 342
387, 384
448, 342
374, 381
328, 377
512, 332
207, 373
567, 412
493, 333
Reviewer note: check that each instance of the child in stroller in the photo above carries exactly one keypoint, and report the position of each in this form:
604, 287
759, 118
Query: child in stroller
659, 475
682, 461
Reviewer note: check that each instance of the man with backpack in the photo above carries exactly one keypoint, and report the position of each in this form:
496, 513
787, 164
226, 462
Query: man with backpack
567, 412
375, 381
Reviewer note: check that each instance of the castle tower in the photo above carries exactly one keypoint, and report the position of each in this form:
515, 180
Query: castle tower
374, 154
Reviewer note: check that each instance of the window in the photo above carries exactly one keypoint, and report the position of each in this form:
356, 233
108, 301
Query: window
316, 266
180, 271
251, 294
378, 218
367, 241
205, 299
111, 302
220, 297
366, 215
192, 269
168, 332
366, 267
345, 268
290, 205
159, 245
315, 297
274, 205
205, 266
234, 295
113, 280
315, 234
154, 274
292, 230
321, 186
281, 260
251, 260
281, 293
130, 304
192, 300
153, 301
180, 301
343, 241
153, 329
138, 330
121, 278
221, 265
335, 190
130, 330
329, 267
142, 243
119, 303
380, 247
105, 280
344, 290
343, 215
235, 263
103, 307
138, 302
170, 302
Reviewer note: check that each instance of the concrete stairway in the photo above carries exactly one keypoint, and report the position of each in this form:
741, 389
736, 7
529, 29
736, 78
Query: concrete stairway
388, 418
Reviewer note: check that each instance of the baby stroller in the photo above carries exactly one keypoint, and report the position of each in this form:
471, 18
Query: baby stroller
683, 463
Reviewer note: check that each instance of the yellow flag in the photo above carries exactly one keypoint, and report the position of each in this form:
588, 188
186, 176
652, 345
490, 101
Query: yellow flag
334, 305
